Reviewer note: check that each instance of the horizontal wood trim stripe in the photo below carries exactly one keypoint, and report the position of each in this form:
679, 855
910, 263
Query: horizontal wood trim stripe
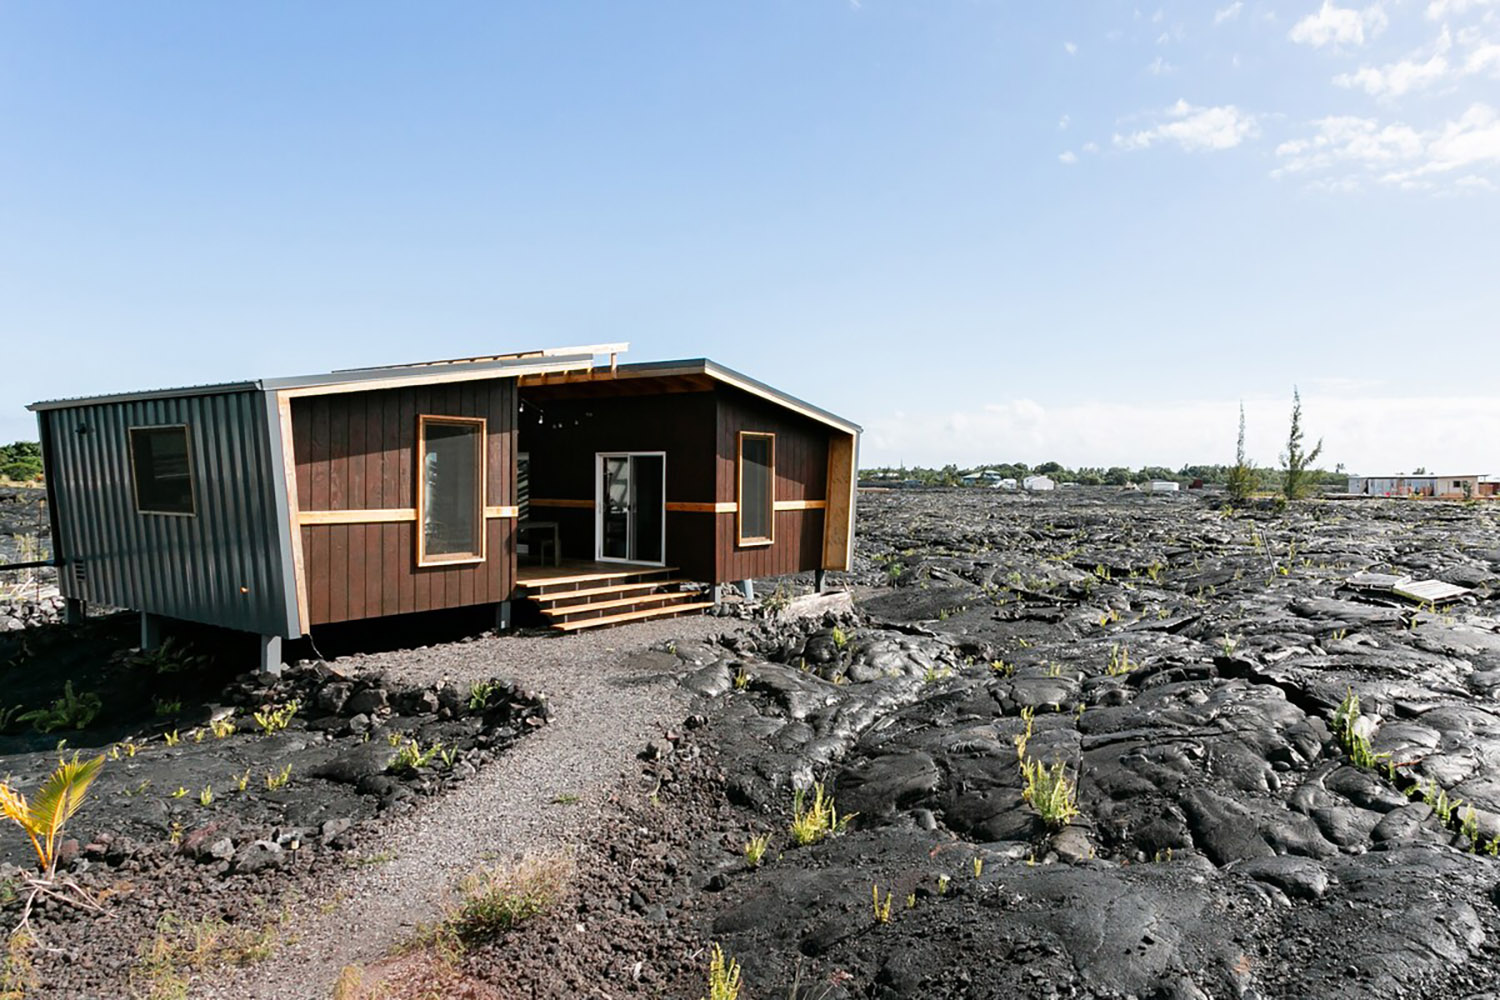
801, 504
730, 507
384, 516
583, 504
702, 508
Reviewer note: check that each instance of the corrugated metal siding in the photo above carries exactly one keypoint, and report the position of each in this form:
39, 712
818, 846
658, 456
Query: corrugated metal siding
221, 566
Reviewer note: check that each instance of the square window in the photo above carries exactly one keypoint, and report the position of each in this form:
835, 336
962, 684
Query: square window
162, 466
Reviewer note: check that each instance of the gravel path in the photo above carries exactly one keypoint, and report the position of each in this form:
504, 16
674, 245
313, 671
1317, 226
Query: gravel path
604, 713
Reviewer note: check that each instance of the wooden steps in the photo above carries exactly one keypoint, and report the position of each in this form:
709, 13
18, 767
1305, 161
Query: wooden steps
634, 616
596, 597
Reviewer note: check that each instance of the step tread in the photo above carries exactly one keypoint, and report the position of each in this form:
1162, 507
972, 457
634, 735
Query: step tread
562, 595
553, 581
662, 612
573, 609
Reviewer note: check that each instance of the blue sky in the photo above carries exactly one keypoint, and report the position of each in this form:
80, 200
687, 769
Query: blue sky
1079, 232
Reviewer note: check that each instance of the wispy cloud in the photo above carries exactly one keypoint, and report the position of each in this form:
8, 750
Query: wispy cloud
1195, 129
1067, 158
1228, 13
1070, 48
1463, 149
1334, 25
1439, 9
1159, 67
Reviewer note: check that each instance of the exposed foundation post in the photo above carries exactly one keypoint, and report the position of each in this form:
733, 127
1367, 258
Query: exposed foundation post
820, 581
747, 587
150, 631
718, 590
502, 616
75, 611
270, 655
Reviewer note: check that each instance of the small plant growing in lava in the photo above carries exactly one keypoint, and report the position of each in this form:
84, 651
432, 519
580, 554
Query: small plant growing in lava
71, 711
274, 720
817, 820
882, 909
42, 820
1049, 792
755, 849
723, 976
1355, 743
1119, 662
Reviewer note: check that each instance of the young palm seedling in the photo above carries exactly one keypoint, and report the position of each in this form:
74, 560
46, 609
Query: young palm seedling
42, 819
723, 976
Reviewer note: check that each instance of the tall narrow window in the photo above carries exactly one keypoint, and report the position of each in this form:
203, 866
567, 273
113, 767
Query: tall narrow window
757, 496
162, 466
450, 490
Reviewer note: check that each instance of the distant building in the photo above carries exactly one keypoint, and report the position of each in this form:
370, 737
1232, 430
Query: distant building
1162, 486
1006, 484
1038, 484
1454, 487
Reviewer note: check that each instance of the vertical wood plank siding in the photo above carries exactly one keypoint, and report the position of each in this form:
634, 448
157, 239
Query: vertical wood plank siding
563, 434
801, 474
355, 451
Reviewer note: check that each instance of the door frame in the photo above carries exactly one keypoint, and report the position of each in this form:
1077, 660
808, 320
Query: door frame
599, 457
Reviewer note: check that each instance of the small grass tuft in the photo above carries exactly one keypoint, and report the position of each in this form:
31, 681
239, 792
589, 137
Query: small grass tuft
755, 849
882, 909
274, 720
495, 898
815, 821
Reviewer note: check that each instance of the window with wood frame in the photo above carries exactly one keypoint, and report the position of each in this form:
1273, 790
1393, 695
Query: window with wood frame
757, 488
450, 490
161, 465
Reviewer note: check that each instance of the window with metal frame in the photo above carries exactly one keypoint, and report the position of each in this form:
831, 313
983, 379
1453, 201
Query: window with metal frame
450, 490
756, 504
161, 465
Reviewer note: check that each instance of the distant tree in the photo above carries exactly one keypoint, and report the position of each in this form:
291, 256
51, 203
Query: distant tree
1048, 468
21, 461
1241, 479
1118, 475
1156, 472
1295, 481
1420, 470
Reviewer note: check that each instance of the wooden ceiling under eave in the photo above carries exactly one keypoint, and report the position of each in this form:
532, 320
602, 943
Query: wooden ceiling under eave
604, 385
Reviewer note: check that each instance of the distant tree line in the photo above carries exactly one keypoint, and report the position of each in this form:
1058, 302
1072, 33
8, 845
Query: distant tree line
21, 461
1115, 475
1296, 478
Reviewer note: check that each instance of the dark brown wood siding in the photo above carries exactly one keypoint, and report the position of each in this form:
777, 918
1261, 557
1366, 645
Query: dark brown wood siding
357, 451
562, 430
801, 474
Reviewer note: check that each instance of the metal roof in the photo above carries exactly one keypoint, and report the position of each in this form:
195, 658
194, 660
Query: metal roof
355, 378
540, 362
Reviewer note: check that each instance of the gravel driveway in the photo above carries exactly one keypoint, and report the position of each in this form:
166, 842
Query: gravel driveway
605, 709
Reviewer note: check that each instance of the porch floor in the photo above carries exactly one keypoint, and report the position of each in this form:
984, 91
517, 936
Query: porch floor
583, 571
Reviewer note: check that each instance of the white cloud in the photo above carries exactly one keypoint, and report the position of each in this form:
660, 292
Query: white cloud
1396, 78
1439, 9
1067, 158
1091, 147
1159, 67
1063, 123
1398, 154
1195, 129
1070, 48
1368, 431
1228, 13
1484, 58
1333, 25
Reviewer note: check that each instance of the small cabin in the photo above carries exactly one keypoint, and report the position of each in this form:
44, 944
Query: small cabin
599, 492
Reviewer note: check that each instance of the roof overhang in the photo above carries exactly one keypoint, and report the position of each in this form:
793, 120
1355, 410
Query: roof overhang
699, 367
